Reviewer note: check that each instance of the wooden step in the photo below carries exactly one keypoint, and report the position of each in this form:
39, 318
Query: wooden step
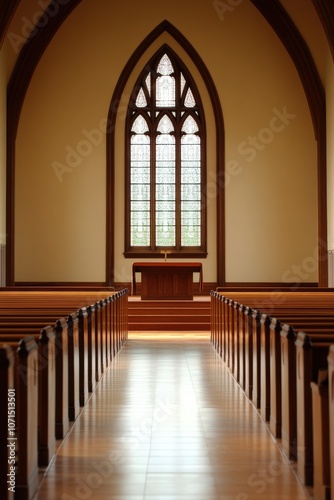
169, 327
167, 304
172, 315
167, 318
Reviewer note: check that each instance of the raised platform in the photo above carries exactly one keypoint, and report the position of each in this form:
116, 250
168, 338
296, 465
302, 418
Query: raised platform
169, 315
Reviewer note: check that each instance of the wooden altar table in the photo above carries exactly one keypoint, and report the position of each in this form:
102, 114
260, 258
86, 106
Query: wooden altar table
166, 280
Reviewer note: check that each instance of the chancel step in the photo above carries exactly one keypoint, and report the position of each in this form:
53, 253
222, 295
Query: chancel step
172, 315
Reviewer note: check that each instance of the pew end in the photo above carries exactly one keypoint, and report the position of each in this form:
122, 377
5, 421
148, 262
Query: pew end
27, 418
7, 393
331, 414
320, 413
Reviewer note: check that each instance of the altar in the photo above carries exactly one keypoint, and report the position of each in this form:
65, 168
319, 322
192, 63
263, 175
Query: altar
166, 280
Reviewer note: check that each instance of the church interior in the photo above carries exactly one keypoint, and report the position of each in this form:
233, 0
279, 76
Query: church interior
167, 249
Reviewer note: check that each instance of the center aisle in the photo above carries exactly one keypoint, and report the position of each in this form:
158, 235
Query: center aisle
167, 421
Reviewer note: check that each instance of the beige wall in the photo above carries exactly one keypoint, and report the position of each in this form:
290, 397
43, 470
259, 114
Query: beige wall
3, 80
330, 148
271, 185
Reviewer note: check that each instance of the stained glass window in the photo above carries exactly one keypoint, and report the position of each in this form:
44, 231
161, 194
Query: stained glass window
140, 182
165, 162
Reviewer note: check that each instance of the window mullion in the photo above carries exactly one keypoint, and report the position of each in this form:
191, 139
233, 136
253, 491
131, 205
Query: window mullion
178, 164
178, 187
153, 188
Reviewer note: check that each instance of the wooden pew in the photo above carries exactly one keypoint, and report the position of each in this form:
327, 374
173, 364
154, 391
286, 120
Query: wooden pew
61, 371
8, 400
46, 395
303, 354
265, 366
46, 375
248, 351
73, 367
260, 356
27, 417
62, 385
311, 354
275, 426
302, 400
277, 345
283, 385
229, 312
281, 304
83, 355
331, 414
91, 346
273, 303
270, 406
213, 318
105, 334
222, 333
77, 334
221, 327
73, 359
99, 342
62, 302
16, 323
257, 374
110, 323
289, 398
24, 444
321, 433
237, 342
241, 336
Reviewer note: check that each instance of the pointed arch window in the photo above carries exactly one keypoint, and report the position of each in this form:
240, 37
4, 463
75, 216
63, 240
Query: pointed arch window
165, 162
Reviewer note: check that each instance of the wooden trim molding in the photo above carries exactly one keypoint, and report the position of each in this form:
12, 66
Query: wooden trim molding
325, 11
7, 11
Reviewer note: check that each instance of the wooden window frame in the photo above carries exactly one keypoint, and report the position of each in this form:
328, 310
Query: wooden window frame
133, 112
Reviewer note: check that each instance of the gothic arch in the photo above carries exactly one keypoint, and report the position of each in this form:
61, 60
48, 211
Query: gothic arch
279, 20
165, 26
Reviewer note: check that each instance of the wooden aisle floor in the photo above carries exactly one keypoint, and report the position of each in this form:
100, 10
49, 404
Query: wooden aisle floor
168, 422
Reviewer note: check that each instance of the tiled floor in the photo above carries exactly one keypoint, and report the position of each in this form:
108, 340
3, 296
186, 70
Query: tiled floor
168, 422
